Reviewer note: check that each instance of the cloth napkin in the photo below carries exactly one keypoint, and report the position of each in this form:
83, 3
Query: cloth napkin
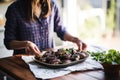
47, 73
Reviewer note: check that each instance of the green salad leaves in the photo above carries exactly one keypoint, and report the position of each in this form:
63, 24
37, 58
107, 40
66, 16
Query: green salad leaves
111, 56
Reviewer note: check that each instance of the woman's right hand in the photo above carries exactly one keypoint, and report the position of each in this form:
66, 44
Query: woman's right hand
32, 48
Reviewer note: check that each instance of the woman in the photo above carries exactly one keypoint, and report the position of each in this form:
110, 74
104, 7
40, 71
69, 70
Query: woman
30, 25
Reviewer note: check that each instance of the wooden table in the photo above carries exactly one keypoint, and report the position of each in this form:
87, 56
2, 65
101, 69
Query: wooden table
15, 67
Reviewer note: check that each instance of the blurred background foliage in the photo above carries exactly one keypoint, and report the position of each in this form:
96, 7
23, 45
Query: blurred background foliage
92, 25
110, 16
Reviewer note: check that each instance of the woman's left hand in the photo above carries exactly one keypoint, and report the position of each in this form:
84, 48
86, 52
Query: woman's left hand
81, 45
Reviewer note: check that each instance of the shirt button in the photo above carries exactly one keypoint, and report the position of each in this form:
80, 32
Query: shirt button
45, 23
46, 32
41, 27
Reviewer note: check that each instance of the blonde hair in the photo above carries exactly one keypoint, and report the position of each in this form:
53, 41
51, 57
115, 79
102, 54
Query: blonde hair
30, 6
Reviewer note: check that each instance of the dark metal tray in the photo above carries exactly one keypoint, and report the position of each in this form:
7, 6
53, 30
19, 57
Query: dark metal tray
54, 66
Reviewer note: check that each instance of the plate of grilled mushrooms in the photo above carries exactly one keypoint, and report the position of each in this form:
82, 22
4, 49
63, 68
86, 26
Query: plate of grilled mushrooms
61, 58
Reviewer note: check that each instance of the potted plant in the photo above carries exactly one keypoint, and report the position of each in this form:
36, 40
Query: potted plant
110, 60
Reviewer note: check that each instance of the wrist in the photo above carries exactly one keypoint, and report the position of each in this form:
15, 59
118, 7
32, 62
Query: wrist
74, 40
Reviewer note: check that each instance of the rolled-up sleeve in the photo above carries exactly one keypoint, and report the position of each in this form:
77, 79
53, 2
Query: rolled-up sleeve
58, 25
10, 27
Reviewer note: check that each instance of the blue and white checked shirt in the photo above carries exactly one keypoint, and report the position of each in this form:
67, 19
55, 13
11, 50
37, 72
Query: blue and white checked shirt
39, 32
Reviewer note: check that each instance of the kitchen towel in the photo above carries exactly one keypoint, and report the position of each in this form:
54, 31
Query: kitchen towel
47, 73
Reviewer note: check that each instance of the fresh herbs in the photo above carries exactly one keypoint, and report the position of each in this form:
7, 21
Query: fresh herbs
111, 56
68, 51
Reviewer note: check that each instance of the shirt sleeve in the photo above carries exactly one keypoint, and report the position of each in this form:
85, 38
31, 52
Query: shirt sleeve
58, 25
10, 26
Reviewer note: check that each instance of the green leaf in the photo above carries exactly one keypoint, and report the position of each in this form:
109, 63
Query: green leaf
110, 56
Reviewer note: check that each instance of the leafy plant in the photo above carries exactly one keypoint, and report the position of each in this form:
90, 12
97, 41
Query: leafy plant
111, 56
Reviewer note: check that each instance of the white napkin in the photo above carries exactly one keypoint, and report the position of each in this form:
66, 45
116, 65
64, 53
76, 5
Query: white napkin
46, 73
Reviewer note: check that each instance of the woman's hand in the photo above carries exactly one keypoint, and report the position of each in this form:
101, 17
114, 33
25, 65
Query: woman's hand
32, 48
29, 47
81, 45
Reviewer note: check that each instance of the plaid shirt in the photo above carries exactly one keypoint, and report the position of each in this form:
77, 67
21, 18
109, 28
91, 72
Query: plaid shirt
40, 32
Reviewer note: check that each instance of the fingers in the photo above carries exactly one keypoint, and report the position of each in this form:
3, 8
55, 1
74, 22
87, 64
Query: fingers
84, 46
38, 53
81, 45
27, 50
35, 50
32, 49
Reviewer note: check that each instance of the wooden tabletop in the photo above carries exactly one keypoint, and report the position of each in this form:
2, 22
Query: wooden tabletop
15, 67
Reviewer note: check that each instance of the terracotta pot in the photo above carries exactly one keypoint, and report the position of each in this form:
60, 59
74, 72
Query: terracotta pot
110, 69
